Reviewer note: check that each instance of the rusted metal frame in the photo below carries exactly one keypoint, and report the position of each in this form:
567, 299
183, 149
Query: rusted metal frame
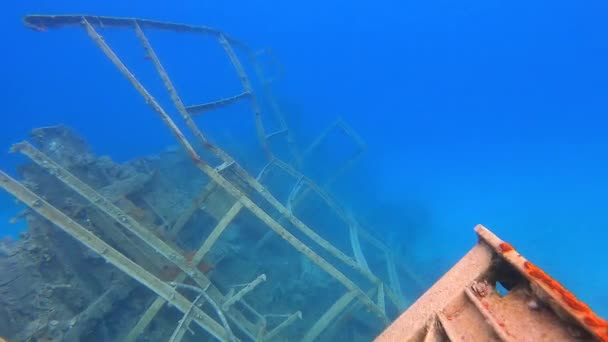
216, 307
236, 317
246, 84
329, 316
156, 107
236, 63
110, 209
44, 22
275, 108
283, 233
110, 254
209, 106
177, 102
229, 187
139, 87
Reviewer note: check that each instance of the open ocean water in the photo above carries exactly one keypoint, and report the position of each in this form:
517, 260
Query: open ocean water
491, 112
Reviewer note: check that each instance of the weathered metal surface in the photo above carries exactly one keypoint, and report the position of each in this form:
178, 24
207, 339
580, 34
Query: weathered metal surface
465, 304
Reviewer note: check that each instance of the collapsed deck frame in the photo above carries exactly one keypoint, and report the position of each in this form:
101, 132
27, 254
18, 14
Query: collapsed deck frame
257, 330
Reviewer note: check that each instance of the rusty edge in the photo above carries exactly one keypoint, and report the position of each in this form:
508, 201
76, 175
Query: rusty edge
576, 309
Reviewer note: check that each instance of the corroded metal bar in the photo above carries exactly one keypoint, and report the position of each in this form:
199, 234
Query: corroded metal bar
249, 89
110, 254
44, 22
177, 102
247, 86
234, 315
114, 212
257, 186
111, 210
205, 107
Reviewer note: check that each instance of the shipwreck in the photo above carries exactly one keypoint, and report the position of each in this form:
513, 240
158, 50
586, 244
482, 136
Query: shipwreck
196, 244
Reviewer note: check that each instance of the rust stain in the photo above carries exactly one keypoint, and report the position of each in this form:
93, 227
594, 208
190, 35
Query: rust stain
505, 247
593, 322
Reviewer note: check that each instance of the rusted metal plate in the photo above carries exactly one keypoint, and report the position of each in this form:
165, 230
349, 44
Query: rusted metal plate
465, 304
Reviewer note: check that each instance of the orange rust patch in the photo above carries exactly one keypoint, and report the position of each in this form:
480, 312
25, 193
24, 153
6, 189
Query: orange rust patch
593, 322
203, 266
189, 255
169, 273
505, 247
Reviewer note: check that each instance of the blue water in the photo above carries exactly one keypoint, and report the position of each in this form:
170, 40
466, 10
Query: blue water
488, 112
